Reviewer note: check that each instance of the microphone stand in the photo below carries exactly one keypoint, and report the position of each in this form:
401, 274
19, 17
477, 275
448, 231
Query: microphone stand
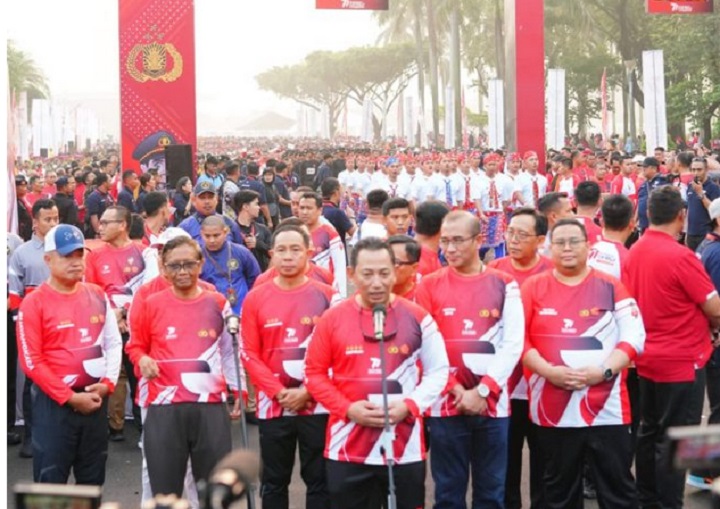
233, 330
388, 436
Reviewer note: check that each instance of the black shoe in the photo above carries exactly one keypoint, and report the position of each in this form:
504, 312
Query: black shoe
116, 435
26, 451
251, 418
14, 438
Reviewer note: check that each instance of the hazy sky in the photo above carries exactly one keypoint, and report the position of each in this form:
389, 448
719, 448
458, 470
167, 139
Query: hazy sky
75, 42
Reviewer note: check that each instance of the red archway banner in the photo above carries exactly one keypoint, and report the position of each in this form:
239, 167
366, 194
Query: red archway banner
368, 5
157, 80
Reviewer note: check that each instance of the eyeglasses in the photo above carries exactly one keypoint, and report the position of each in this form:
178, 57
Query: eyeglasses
455, 241
521, 236
572, 242
105, 222
184, 266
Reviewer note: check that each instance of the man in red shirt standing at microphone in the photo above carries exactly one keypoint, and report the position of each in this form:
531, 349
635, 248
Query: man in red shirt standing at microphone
344, 342
274, 342
479, 314
70, 347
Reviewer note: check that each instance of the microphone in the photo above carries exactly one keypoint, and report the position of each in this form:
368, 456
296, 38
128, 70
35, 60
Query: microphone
231, 478
232, 324
379, 313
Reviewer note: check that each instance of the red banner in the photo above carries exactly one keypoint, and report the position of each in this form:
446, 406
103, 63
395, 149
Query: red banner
157, 80
367, 5
679, 6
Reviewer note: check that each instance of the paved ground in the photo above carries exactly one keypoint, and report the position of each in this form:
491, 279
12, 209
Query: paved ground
123, 476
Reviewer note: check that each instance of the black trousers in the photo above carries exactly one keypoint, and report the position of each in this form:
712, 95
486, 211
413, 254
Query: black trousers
609, 451
664, 405
356, 486
172, 433
712, 377
12, 359
278, 440
521, 428
633, 387
64, 439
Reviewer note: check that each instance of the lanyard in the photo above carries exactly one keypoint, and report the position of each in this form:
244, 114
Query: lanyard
230, 293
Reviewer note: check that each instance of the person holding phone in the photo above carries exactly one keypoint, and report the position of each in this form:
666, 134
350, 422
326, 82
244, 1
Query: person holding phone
700, 194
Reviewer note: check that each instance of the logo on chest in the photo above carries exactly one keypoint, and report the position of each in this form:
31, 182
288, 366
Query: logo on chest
568, 326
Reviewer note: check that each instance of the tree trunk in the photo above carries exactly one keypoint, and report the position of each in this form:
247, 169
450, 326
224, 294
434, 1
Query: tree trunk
456, 78
377, 129
499, 40
417, 14
433, 54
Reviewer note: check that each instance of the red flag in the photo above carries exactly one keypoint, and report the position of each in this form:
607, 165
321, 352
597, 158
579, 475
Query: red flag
603, 94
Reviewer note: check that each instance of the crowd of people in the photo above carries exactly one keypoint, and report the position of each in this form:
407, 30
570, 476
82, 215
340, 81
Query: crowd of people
572, 306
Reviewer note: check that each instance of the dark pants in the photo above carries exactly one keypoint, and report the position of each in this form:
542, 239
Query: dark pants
712, 376
664, 405
172, 433
522, 428
693, 241
118, 398
278, 438
27, 404
609, 450
462, 442
633, 387
12, 359
64, 439
356, 486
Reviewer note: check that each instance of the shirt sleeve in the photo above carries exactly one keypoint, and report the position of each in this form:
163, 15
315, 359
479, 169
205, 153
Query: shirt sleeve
16, 285
112, 347
251, 268
435, 367
318, 363
692, 278
93, 205
629, 321
260, 374
337, 255
526, 295
510, 346
32, 360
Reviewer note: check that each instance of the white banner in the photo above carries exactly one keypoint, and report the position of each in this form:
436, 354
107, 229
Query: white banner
449, 117
556, 109
655, 108
496, 113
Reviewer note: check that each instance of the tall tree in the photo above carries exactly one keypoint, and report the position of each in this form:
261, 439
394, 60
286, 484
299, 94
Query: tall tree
25, 76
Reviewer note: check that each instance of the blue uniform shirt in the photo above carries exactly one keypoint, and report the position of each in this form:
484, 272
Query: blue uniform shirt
643, 194
698, 217
233, 270
252, 184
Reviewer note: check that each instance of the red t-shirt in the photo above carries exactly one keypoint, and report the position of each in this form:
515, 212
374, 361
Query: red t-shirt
275, 339
670, 285
68, 341
315, 272
116, 270
594, 232
429, 262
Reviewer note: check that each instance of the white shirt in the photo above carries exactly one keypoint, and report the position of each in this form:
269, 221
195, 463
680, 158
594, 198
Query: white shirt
477, 184
398, 189
525, 186
505, 188
422, 188
368, 229
440, 184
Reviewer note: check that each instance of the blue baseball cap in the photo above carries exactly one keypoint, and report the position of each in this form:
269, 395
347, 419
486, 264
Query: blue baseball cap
65, 239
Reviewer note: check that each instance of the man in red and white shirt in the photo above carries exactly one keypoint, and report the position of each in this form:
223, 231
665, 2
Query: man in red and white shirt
70, 348
344, 374
583, 330
275, 338
524, 236
680, 305
609, 254
182, 349
329, 250
116, 267
479, 314
624, 183
588, 197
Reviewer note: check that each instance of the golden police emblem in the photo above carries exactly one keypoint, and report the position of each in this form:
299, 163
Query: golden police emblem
154, 65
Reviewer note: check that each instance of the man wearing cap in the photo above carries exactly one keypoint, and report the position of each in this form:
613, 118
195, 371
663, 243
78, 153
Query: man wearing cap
71, 350
653, 180
205, 202
65, 200
700, 193
26, 272
23, 207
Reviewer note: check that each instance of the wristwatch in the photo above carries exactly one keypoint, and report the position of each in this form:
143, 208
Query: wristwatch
483, 390
607, 373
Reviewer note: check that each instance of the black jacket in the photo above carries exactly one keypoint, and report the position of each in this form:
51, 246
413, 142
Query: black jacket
67, 208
